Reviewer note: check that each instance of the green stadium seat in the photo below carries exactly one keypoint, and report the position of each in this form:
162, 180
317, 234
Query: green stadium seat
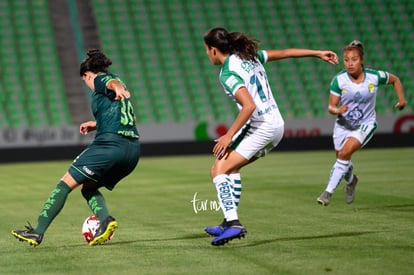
164, 47
25, 44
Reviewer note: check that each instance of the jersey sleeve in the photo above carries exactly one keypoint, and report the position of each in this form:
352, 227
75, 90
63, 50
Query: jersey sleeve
231, 82
335, 87
262, 55
383, 77
101, 81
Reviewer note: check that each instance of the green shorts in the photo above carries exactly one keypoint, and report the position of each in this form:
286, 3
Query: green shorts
108, 159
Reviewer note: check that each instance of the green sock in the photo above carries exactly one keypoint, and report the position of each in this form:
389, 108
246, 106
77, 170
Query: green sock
52, 207
96, 203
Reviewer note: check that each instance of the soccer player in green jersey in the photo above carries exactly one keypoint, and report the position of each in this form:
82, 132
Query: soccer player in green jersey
258, 127
112, 155
352, 99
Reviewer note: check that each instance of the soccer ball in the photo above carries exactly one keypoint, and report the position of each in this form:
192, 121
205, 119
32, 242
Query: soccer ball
89, 227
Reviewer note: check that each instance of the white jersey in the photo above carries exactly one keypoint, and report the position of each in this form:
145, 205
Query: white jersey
237, 73
359, 97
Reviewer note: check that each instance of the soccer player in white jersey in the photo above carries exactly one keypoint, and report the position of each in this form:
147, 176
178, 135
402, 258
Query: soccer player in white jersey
258, 127
352, 99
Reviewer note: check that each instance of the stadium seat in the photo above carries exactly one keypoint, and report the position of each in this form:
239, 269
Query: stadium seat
157, 49
164, 47
28, 50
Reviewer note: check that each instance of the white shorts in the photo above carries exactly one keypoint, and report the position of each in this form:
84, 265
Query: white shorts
363, 134
256, 142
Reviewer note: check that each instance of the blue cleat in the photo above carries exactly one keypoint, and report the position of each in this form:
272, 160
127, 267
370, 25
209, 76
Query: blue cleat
236, 230
216, 230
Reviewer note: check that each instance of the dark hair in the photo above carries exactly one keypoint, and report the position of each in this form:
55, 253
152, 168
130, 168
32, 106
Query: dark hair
232, 43
96, 62
355, 45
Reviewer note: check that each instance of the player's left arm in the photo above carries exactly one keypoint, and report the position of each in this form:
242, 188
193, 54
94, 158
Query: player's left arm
328, 56
87, 127
118, 88
395, 81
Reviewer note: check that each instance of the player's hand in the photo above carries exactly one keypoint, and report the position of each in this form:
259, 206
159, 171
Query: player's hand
329, 56
221, 149
337, 110
87, 127
121, 94
119, 89
342, 109
400, 105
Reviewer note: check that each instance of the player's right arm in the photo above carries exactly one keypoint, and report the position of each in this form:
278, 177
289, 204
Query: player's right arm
248, 106
333, 105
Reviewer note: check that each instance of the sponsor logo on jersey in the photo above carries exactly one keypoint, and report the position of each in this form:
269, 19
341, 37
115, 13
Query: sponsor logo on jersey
231, 81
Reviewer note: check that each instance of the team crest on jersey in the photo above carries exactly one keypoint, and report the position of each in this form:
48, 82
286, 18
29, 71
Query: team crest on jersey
343, 91
371, 87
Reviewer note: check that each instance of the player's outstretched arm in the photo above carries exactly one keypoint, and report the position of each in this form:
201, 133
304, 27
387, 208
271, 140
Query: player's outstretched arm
328, 56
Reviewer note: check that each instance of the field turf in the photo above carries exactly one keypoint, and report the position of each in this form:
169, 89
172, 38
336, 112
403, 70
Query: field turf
163, 207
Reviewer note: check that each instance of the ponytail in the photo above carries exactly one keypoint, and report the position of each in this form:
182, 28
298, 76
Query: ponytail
232, 43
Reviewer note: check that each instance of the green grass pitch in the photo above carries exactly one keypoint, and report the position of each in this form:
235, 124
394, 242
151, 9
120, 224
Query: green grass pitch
163, 207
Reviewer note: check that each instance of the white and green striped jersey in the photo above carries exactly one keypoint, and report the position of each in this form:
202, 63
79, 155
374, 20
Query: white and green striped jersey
359, 97
237, 73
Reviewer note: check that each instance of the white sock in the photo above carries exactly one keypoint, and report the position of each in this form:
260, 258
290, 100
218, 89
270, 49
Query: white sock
225, 197
349, 176
338, 171
236, 186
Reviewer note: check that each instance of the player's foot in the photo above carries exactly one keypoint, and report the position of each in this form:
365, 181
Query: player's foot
28, 235
235, 230
216, 230
324, 198
350, 190
106, 228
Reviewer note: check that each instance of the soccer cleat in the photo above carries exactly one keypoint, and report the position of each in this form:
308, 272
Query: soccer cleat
235, 230
104, 231
28, 235
350, 190
216, 230
324, 198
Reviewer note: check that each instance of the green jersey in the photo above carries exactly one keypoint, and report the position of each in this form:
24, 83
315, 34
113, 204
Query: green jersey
112, 116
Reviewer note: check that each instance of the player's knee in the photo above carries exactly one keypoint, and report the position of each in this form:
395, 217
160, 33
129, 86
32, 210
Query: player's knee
217, 169
351, 145
344, 154
213, 172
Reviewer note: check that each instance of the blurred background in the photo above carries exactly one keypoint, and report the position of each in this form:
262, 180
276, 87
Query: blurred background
157, 48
